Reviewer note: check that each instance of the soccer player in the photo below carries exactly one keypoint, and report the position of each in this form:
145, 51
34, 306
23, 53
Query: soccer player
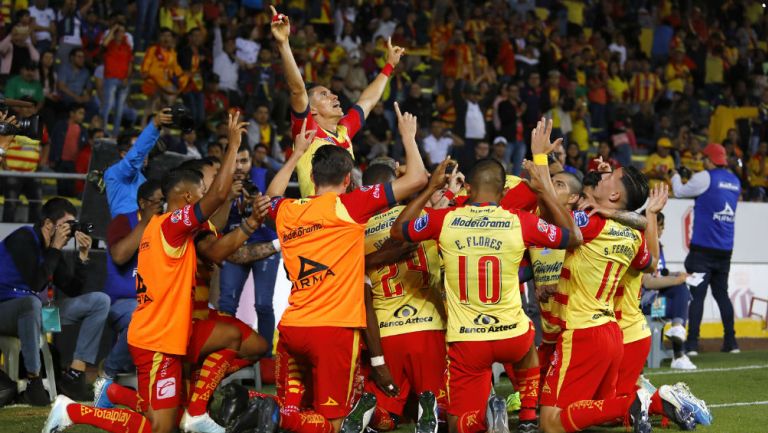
320, 107
323, 246
406, 331
159, 332
482, 245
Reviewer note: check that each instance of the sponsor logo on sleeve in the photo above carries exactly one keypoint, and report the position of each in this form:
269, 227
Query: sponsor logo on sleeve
421, 223
581, 218
552, 234
542, 226
176, 216
187, 221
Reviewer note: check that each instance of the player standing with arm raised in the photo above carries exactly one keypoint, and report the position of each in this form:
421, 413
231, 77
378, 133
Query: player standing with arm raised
320, 107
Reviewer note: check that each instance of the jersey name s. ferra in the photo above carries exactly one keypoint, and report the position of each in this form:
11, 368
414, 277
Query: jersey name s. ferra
627, 303
482, 246
592, 272
406, 295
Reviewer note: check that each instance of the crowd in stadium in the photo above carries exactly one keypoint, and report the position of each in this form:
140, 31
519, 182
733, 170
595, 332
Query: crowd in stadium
604, 107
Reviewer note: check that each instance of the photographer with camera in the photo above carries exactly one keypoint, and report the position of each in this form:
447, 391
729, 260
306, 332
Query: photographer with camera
122, 179
33, 271
716, 191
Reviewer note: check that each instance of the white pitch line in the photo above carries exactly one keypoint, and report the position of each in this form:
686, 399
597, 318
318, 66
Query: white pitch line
745, 403
706, 370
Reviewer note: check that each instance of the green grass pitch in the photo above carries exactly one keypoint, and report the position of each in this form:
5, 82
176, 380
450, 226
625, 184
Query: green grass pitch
735, 386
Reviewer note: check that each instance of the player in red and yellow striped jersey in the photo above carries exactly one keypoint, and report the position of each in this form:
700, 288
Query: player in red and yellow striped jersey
406, 329
321, 108
482, 245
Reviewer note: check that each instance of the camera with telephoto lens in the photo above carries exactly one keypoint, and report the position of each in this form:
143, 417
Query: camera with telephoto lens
77, 226
685, 172
252, 190
181, 118
27, 127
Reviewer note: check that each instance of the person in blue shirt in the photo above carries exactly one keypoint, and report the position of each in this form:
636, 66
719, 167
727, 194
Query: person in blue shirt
235, 273
716, 191
122, 179
123, 236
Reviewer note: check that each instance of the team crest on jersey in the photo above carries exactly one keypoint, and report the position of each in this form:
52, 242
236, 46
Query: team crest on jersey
581, 218
405, 311
421, 223
176, 216
542, 226
485, 319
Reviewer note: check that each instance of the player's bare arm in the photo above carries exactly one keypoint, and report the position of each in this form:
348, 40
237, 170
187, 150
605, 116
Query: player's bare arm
391, 251
250, 253
371, 95
657, 199
217, 250
301, 143
281, 31
436, 182
382, 375
219, 190
415, 176
221, 216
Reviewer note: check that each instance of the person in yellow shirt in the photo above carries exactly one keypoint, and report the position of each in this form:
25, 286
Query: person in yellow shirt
676, 72
757, 170
692, 158
659, 163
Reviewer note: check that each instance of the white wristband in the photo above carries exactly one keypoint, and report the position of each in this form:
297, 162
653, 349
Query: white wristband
377, 361
276, 244
367, 280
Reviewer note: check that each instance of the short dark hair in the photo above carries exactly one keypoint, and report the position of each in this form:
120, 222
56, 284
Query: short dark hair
488, 173
330, 165
244, 148
55, 209
177, 176
591, 178
195, 165
74, 51
636, 185
75, 107
146, 190
378, 173
215, 144
574, 184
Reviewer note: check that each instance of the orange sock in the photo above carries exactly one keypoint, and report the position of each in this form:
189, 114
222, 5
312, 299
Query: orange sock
528, 380
296, 421
382, 420
123, 396
472, 422
656, 408
214, 368
238, 364
586, 413
111, 420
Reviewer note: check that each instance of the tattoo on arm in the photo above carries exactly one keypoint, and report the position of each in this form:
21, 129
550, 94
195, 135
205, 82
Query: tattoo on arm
631, 219
252, 252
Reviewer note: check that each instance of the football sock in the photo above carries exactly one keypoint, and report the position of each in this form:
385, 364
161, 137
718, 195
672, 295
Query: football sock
382, 420
657, 407
238, 364
528, 380
303, 421
585, 413
213, 370
471, 422
510, 370
123, 396
253, 394
111, 420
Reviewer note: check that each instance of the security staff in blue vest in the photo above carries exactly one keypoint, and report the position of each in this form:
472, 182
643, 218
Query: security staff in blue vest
716, 191
31, 266
123, 236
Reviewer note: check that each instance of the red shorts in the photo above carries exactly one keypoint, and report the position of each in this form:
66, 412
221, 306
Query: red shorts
632, 363
245, 330
585, 365
470, 369
416, 361
159, 379
318, 368
202, 329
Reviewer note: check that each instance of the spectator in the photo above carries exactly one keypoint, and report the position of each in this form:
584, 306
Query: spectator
416, 104
215, 150
216, 101
499, 153
17, 50
677, 72
24, 154
263, 131
173, 17
660, 163
32, 263
74, 80
574, 158
510, 112
25, 84
235, 273
716, 191
118, 63
191, 58
122, 179
604, 154
123, 236
470, 120
645, 86
160, 71
92, 32
671, 286
47, 76
69, 27
67, 139
187, 145
44, 25
146, 22
757, 172
84, 155
377, 133
439, 143
226, 66
531, 95
692, 158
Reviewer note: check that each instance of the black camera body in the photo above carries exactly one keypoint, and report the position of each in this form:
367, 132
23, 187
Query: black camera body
28, 127
252, 190
77, 226
181, 118
685, 172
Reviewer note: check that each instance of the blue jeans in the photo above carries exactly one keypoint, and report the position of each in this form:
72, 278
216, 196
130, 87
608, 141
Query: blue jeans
119, 359
90, 310
115, 94
22, 318
146, 20
677, 298
515, 153
233, 277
